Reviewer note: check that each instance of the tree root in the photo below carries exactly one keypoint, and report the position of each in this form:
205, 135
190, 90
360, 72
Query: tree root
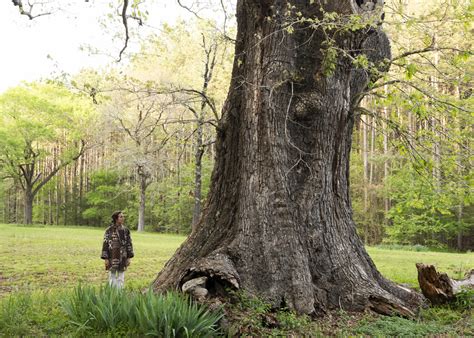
210, 277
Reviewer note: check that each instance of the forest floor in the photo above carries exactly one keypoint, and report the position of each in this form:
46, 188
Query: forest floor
48, 261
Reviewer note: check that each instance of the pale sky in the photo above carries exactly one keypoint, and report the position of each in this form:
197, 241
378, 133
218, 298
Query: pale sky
26, 44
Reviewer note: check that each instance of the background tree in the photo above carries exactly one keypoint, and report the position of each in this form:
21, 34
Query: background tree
411, 152
140, 117
415, 153
37, 121
192, 62
108, 190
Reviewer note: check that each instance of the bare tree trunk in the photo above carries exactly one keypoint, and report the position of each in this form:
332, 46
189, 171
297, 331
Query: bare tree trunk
141, 211
12, 210
81, 184
43, 202
210, 51
373, 126
50, 207
75, 204
17, 206
365, 152
386, 166
434, 130
198, 176
66, 196
278, 221
460, 171
29, 197
58, 187
6, 207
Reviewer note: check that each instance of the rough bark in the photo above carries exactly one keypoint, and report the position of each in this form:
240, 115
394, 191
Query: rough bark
438, 287
278, 220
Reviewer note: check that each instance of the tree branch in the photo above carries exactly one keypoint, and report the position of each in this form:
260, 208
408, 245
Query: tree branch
125, 24
60, 166
188, 9
28, 13
430, 48
423, 91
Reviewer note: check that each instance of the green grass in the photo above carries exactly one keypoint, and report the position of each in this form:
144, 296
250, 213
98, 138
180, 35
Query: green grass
37, 257
44, 258
399, 265
39, 267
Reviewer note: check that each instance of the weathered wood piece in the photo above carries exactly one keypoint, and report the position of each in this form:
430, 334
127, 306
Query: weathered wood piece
438, 287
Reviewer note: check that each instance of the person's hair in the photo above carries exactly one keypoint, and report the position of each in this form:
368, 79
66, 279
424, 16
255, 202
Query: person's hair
115, 216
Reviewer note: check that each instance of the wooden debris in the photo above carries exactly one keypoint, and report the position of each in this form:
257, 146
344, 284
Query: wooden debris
438, 287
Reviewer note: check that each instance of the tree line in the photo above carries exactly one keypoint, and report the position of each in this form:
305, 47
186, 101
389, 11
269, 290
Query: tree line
142, 140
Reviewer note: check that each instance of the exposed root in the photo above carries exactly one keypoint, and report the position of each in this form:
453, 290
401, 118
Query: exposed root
387, 307
210, 277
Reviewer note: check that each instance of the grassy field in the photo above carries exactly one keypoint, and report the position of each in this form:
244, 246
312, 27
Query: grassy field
399, 265
34, 258
44, 261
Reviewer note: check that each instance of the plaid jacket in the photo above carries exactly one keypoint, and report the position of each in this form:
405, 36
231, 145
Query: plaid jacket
118, 260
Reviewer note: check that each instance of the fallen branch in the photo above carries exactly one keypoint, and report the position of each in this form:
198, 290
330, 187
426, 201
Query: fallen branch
438, 287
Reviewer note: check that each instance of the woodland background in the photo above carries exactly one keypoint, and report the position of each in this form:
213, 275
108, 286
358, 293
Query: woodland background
140, 139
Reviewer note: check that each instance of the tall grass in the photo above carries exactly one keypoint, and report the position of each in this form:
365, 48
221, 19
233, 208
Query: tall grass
14, 314
34, 313
108, 309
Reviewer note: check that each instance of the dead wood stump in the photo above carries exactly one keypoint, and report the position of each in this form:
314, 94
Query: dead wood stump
438, 287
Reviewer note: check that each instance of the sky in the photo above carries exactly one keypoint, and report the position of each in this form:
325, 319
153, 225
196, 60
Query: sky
50, 45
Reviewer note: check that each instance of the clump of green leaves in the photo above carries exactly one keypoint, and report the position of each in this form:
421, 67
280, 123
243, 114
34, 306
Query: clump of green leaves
330, 54
464, 299
108, 192
14, 314
117, 311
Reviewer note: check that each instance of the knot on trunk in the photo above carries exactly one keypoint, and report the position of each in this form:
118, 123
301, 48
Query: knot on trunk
364, 7
210, 277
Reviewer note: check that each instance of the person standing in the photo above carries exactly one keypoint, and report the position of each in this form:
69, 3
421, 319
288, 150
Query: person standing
117, 250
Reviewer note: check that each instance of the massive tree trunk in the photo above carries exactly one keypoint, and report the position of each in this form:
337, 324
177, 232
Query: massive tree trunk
278, 221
